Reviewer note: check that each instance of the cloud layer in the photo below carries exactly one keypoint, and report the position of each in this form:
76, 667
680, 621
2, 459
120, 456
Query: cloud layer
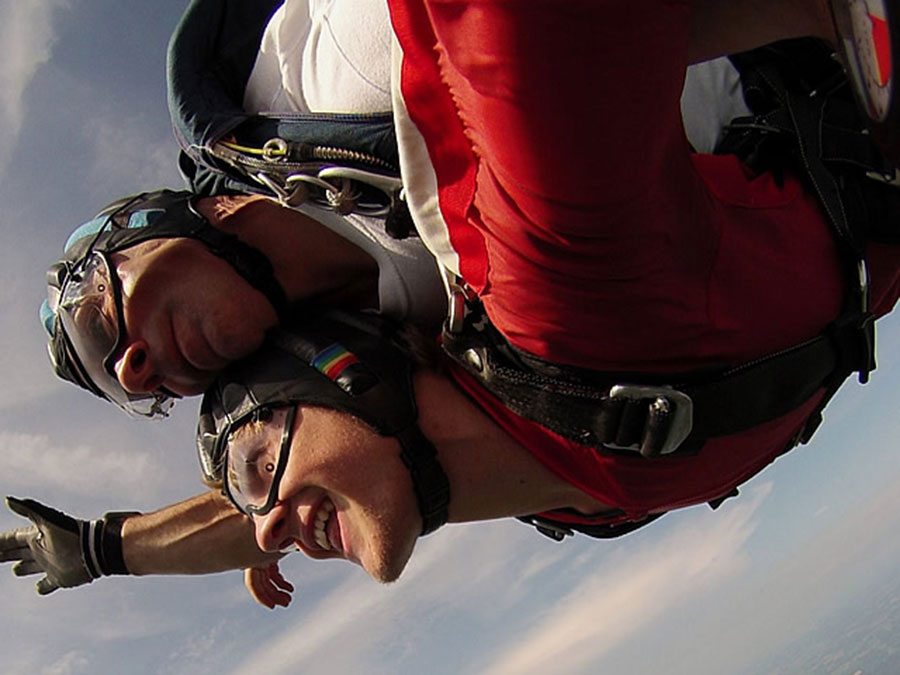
27, 38
32, 463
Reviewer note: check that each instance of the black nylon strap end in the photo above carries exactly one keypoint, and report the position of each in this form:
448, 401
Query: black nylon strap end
854, 339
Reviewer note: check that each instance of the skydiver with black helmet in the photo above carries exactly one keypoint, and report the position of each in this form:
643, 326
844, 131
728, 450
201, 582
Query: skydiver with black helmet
486, 258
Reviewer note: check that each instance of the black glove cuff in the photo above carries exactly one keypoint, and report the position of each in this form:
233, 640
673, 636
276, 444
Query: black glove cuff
104, 545
112, 559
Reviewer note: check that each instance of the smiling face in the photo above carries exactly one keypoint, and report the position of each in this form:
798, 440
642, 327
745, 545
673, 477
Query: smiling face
345, 493
187, 314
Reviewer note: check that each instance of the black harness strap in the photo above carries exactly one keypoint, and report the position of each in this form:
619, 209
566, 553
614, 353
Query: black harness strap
640, 412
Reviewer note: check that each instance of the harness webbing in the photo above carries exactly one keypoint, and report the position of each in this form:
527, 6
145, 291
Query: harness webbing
584, 406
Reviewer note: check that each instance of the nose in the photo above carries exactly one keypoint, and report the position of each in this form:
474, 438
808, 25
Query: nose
135, 370
272, 529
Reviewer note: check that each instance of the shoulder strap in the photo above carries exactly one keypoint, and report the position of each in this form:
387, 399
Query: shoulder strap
806, 119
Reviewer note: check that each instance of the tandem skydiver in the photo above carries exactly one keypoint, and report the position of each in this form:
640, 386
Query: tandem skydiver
724, 218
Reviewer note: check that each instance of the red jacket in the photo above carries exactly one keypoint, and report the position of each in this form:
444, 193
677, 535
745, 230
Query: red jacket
568, 198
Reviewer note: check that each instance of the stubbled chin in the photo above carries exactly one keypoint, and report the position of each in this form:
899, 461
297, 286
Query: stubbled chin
235, 343
385, 575
386, 569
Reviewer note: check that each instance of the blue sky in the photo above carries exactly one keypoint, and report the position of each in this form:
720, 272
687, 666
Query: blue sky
83, 121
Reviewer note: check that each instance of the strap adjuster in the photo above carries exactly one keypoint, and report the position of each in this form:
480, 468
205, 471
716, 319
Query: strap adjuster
854, 339
866, 347
651, 420
548, 528
458, 297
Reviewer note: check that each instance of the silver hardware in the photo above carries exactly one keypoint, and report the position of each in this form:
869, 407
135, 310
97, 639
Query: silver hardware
456, 299
340, 200
275, 150
660, 405
281, 194
387, 184
862, 269
473, 358
293, 182
665, 400
343, 200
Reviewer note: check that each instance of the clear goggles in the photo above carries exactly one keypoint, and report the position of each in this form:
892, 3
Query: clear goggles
89, 308
256, 455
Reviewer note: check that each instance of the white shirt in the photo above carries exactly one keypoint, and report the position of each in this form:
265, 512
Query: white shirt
312, 59
324, 56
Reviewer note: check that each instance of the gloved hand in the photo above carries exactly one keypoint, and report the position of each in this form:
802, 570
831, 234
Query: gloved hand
70, 552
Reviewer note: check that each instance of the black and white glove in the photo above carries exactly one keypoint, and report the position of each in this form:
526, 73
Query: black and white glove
69, 552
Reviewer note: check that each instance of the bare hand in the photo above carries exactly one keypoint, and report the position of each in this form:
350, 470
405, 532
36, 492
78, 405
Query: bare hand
267, 586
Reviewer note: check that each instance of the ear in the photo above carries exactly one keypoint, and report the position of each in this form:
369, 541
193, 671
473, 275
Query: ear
135, 370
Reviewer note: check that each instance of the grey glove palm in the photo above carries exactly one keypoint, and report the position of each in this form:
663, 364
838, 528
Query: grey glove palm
52, 545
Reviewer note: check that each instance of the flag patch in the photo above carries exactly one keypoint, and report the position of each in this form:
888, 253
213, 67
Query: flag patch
334, 360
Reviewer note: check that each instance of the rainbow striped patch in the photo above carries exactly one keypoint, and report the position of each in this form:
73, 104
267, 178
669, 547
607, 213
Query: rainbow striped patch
333, 360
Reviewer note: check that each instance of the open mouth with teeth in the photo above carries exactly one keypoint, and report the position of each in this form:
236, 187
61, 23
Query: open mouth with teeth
326, 529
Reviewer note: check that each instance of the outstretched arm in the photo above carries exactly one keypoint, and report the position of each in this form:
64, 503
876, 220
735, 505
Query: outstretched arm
201, 535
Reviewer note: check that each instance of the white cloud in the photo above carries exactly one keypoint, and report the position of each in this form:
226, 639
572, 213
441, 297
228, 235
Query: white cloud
31, 463
833, 558
619, 598
785, 592
67, 664
300, 642
126, 149
199, 648
23, 359
443, 574
499, 575
27, 38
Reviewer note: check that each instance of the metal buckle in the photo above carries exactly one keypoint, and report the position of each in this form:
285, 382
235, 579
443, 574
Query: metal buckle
556, 531
333, 187
456, 300
670, 417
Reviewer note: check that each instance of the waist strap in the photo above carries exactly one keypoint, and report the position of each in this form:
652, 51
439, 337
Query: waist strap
652, 414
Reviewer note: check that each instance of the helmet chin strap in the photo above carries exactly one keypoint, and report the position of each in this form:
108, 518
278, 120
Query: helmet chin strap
430, 483
251, 263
